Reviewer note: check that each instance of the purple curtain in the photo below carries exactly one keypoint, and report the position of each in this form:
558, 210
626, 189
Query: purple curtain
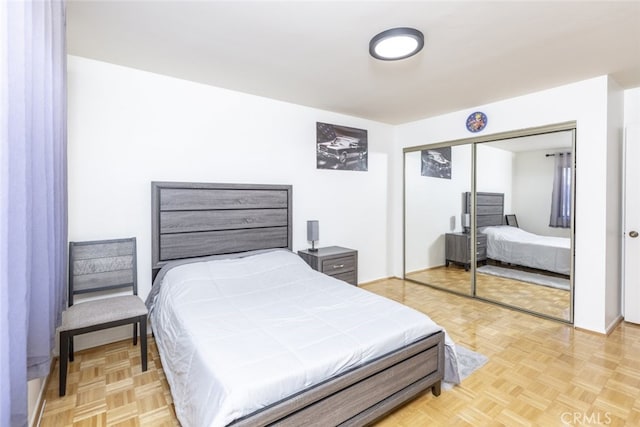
561, 193
33, 196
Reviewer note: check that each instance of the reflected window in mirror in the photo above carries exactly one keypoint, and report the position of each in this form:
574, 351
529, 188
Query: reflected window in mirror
511, 220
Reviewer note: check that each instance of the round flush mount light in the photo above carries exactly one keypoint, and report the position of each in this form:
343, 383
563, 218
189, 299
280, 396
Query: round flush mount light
396, 43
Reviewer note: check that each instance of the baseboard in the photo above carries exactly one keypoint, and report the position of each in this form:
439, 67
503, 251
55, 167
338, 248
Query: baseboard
614, 324
590, 331
422, 270
610, 328
36, 416
378, 280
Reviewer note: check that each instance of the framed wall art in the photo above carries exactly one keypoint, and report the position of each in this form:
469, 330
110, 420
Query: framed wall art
341, 147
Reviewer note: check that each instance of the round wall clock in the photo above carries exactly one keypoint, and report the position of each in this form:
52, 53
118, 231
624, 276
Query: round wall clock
476, 121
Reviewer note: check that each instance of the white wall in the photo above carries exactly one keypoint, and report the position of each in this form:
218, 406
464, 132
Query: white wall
495, 173
632, 107
586, 102
128, 127
615, 137
533, 182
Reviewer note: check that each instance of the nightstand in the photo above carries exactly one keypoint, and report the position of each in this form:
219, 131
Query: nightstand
341, 263
457, 248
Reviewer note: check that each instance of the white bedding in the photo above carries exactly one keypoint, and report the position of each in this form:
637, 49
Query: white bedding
516, 246
237, 335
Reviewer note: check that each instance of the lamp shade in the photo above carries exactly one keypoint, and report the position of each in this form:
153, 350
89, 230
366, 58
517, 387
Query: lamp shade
313, 230
466, 220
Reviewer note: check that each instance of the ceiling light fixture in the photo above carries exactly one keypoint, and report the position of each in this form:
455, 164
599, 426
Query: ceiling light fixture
396, 43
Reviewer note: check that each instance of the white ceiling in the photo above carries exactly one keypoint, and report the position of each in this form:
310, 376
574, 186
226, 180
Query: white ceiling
315, 53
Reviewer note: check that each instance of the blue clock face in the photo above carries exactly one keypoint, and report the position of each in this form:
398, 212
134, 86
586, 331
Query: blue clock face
476, 121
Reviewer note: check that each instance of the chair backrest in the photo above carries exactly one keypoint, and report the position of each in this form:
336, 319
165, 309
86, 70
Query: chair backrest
102, 265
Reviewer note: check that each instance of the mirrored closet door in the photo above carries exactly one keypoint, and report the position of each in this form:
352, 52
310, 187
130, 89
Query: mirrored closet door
498, 223
437, 249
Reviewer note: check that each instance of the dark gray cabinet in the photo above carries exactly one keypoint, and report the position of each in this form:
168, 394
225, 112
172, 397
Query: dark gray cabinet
457, 248
335, 261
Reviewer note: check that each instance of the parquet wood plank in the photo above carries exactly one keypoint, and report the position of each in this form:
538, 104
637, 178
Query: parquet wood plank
123, 415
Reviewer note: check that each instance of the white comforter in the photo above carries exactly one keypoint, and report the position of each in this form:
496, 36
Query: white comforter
237, 335
516, 246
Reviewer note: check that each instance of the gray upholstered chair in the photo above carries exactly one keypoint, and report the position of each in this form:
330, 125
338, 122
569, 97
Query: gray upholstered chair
99, 266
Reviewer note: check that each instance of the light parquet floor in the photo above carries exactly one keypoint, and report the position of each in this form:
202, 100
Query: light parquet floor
106, 387
540, 299
539, 373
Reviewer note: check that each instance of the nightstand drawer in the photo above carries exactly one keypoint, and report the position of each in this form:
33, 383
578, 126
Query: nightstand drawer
334, 261
481, 253
334, 266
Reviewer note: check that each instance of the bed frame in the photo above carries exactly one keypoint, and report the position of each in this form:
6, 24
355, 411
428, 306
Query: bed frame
489, 208
191, 220
197, 219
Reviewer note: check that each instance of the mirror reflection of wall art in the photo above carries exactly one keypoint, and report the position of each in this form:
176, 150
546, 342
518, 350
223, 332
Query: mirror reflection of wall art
436, 162
341, 147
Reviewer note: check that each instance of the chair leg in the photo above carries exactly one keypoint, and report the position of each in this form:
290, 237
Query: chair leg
143, 342
135, 333
64, 348
71, 348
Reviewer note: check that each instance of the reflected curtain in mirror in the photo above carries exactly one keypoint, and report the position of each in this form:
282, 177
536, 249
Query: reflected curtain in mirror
561, 194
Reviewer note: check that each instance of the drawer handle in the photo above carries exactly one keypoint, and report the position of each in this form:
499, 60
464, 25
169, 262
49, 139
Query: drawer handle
338, 266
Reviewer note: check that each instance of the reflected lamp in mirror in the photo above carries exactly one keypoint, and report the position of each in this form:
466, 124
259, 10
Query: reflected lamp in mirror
466, 222
313, 233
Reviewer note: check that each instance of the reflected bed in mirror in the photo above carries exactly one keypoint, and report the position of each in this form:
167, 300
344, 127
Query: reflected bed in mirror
515, 246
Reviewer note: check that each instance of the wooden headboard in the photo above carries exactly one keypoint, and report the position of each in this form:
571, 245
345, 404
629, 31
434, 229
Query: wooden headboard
489, 208
199, 219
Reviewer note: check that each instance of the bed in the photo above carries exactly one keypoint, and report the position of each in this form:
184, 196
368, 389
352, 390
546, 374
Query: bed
515, 246
268, 340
